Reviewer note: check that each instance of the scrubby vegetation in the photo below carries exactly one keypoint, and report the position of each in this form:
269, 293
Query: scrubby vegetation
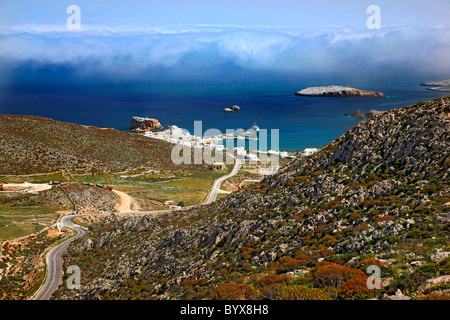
22, 268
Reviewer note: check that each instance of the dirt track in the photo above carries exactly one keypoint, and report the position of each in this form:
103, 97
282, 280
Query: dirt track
124, 204
26, 187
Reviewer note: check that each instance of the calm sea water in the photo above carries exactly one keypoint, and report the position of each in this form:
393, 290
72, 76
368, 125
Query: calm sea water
303, 122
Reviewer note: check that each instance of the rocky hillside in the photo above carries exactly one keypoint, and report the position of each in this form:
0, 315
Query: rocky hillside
377, 195
32, 144
76, 196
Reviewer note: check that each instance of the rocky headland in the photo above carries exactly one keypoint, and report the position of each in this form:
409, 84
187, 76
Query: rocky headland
443, 86
140, 124
338, 91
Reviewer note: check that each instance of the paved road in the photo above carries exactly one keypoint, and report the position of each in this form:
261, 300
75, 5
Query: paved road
54, 262
54, 258
216, 186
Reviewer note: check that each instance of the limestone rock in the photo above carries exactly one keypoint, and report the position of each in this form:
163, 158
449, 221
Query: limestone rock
373, 113
434, 282
439, 256
398, 296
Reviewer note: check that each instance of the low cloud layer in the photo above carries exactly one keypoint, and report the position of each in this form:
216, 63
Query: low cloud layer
130, 53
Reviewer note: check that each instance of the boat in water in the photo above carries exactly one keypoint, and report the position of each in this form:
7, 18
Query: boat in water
252, 132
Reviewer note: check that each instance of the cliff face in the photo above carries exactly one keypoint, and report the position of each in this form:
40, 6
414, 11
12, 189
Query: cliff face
338, 91
379, 194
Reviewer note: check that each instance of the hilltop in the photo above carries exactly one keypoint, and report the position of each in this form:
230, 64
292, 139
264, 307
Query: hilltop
31, 144
377, 195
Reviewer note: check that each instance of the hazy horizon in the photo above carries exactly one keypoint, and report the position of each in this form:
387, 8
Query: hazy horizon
204, 43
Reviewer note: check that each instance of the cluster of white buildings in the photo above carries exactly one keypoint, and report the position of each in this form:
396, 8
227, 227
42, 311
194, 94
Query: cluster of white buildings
308, 152
176, 135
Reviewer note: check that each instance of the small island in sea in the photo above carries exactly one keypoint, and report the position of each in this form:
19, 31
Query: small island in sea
338, 91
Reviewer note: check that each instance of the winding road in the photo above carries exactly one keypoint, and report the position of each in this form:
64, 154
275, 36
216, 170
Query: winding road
54, 272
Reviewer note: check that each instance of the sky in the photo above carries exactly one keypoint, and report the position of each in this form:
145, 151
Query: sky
287, 13
230, 39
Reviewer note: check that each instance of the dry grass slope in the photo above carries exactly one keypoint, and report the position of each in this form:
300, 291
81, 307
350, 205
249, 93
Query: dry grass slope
31, 144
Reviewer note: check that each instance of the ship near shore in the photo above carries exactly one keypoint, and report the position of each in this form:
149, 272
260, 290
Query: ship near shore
338, 91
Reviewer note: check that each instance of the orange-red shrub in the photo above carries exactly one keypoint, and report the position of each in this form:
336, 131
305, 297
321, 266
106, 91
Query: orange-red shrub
287, 263
356, 289
302, 293
327, 240
269, 285
371, 261
334, 275
384, 218
230, 291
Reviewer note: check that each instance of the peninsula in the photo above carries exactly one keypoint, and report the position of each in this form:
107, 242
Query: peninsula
443, 86
338, 91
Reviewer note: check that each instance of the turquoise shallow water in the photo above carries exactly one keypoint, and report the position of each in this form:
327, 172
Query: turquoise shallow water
303, 122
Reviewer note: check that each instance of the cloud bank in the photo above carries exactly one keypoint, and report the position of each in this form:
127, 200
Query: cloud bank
46, 53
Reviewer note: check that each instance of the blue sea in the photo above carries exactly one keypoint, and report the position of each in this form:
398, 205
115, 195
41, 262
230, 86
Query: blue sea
303, 122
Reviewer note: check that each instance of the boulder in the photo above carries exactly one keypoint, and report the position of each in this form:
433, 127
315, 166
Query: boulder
438, 256
397, 296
